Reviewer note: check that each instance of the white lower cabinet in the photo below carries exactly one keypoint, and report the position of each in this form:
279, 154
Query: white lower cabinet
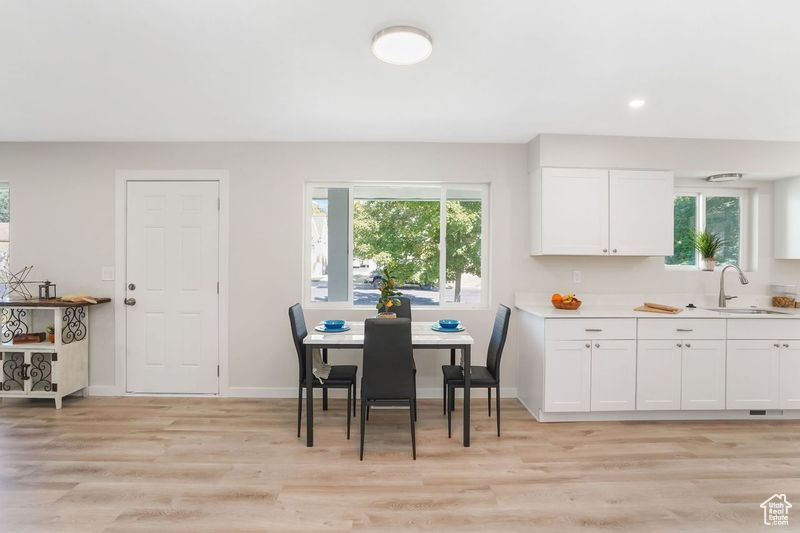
613, 386
703, 375
790, 374
753, 374
658, 375
567, 376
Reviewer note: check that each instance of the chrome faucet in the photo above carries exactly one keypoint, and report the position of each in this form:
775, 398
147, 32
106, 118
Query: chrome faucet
723, 298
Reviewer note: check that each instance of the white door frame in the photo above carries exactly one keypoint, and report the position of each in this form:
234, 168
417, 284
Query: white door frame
120, 259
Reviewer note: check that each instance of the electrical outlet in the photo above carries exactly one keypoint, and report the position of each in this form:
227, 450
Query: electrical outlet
107, 273
576, 276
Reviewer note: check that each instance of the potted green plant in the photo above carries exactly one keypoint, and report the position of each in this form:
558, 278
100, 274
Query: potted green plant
51, 334
708, 243
389, 294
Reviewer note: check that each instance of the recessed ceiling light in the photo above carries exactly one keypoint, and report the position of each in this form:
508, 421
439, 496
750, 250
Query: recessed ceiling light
402, 45
727, 176
636, 103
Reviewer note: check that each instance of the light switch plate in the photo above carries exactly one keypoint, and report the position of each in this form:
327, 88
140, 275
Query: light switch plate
107, 273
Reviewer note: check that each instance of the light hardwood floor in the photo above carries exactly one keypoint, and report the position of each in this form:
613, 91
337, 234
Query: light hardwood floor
184, 464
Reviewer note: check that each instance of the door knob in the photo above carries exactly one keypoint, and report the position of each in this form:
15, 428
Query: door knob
130, 301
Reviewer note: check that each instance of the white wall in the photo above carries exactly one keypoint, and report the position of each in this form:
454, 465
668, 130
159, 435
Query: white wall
685, 156
62, 201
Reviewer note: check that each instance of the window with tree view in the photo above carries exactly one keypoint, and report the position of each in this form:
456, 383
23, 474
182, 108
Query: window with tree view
430, 236
5, 220
719, 212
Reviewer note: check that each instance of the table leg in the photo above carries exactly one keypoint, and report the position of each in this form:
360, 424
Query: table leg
324, 390
309, 396
452, 402
467, 390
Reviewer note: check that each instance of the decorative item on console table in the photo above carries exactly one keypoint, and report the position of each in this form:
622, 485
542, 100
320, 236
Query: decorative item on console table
45, 292
389, 295
708, 244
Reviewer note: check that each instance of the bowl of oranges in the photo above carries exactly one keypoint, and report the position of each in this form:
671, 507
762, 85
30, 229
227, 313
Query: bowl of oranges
565, 301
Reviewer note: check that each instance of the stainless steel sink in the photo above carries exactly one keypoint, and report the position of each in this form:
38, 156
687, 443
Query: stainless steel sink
748, 311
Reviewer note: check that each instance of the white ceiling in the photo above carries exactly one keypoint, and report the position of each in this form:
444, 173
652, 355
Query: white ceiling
501, 71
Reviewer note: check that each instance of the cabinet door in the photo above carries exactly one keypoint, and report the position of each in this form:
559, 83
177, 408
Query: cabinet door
641, 212
567, 374
753, 375
574, 211
13, 373
790, 374
658, 375
613, 375
703, 375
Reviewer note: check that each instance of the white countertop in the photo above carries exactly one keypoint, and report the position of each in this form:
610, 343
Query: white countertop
626, 311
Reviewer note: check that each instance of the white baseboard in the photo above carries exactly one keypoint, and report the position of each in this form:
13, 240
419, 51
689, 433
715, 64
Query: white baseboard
105, 390
291, 392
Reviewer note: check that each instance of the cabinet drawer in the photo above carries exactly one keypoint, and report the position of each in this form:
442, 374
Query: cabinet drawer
590, 328
681, 328
764, 328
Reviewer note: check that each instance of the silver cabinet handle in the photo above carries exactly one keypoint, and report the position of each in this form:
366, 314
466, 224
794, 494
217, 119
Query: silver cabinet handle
588, 345
130, 301
777, 345
684, 329
597, 345
605, 250
679, 345
593, 329
785, 345
614, 250
688, 345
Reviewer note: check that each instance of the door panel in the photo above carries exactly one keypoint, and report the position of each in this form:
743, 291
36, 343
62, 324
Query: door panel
567, 374
574, 211
658, 375
753, 375
703, 380
641, 212
172, 251
790, 375
614, 376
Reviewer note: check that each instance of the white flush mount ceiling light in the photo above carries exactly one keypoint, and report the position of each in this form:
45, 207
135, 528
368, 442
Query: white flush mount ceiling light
727, 176
402, 45
636, 103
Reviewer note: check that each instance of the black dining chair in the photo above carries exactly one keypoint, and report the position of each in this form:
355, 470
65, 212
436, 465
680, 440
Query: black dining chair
481, 376
387, 377
341, 376
404, 311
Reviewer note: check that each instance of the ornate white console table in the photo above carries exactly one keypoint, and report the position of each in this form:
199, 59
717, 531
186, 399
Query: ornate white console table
44, 369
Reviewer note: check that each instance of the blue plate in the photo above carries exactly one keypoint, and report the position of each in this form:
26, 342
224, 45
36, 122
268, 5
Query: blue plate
436, 327
322, 329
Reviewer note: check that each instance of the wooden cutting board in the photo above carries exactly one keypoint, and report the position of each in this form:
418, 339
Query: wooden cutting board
659, 308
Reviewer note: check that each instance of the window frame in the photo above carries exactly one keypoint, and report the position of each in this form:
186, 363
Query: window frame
702, 194
444, 187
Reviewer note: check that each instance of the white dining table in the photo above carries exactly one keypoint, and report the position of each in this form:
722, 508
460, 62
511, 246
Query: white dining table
422, 337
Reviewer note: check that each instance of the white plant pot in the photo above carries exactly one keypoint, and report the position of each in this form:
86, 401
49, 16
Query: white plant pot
709, 264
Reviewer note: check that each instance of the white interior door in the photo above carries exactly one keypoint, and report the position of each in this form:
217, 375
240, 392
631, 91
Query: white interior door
172, 262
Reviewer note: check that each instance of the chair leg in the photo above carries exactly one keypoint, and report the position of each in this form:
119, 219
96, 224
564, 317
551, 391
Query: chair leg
449, 414
415, 395
354, 400
444, 395
367, 411
299, 408
325, 389
498, 409
489, 390
363, 427
413, 417
347, 411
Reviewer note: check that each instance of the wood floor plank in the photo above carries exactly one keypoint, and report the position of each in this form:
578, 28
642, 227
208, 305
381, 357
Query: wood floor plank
212, 464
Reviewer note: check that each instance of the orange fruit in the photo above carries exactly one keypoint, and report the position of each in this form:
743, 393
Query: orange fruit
556, 297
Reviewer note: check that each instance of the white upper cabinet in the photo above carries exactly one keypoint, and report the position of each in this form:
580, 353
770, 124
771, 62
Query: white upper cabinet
574, 211
787, 218
641, 212
602, 212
